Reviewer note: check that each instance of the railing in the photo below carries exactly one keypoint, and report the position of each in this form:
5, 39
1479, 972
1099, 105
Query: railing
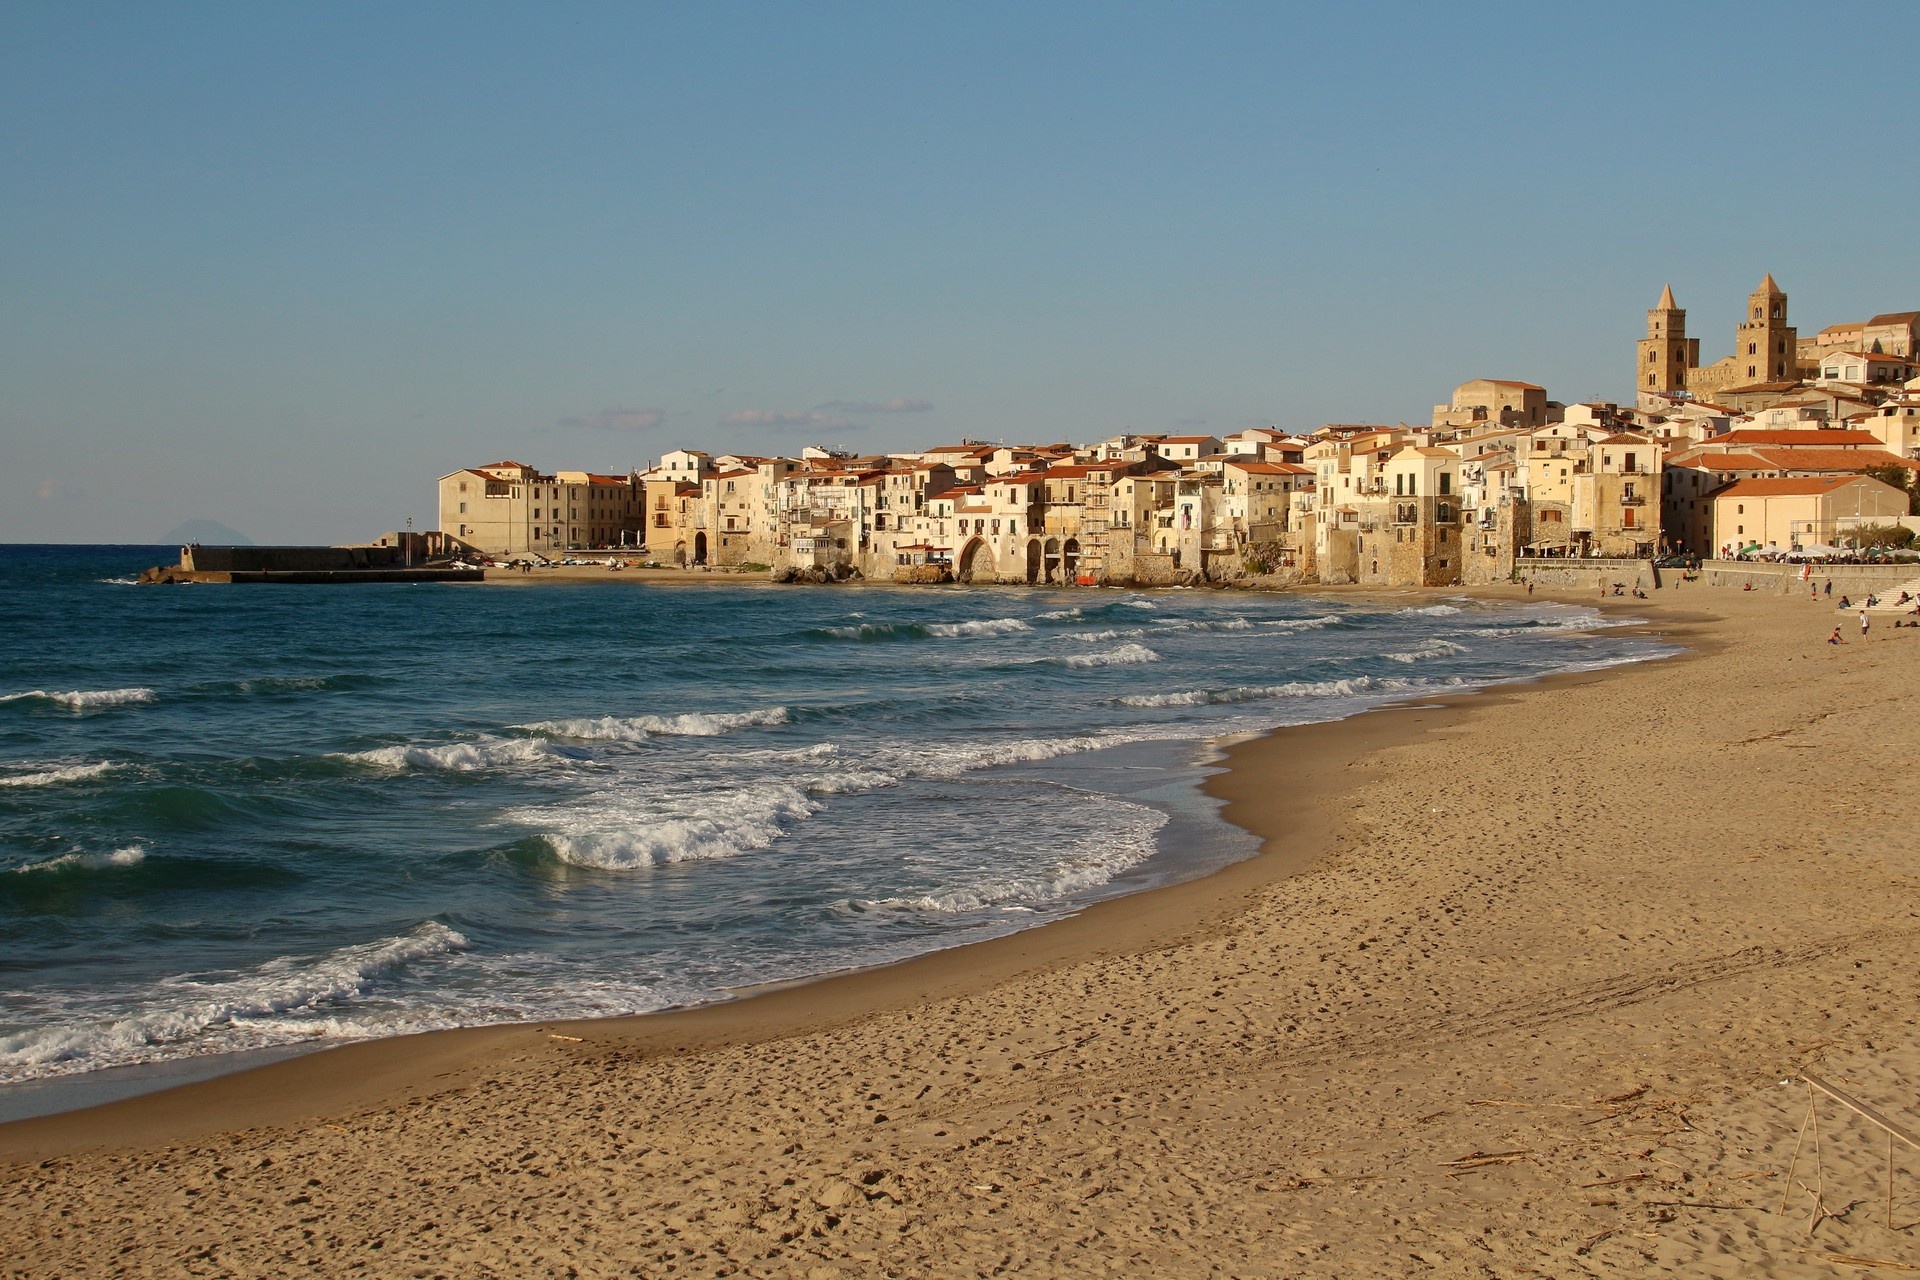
1632, 500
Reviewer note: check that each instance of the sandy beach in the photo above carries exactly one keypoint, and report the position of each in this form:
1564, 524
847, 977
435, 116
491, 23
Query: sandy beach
1522, 984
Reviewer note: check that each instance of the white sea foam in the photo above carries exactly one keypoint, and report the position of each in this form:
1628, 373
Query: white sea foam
1138, 603
1126, 655
621, 832
180, 1011
1061, 615
1549, 624
83, 699
118, 582
1431, 649
693, 724
1203, 624
131, 856
58, 775
1112, 633
1433, 611
468, 757
1126, 840
982, 627
861, 631
1303, 624
1265, 692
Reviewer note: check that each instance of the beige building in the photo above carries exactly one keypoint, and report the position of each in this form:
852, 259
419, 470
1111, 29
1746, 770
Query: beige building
1616, 497
1798, 511
1495, 402
511, 509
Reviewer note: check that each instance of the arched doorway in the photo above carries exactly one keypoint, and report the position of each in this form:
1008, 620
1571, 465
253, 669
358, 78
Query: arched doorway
699, 548
1051, 555
680, 555
976, 562
1033, 560
1070, 560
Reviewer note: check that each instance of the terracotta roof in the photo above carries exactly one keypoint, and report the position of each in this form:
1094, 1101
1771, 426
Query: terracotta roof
1186, 439
1785, 486
1269, 468
1896, 317
495, 466
1834, 459
1806, 437
1508, 382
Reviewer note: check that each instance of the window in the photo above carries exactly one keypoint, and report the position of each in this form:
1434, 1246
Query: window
1446, 483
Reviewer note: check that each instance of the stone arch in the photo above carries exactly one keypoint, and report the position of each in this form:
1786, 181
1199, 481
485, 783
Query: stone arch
1050, 560
1070, 560
976, 562
1034, 568
680, 555
699, 548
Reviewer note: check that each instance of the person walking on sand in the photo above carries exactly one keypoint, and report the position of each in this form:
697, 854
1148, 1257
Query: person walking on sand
1829, 588
1863, 624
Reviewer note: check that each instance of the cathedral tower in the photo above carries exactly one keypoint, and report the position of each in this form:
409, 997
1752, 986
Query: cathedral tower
1764, 345
1666, 353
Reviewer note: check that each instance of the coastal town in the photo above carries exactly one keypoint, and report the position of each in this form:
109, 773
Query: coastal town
1788, 446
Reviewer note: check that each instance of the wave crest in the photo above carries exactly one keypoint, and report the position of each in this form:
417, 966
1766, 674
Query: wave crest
57, 776
1126, 655
469, 757
131, 856
692, 724
84, 699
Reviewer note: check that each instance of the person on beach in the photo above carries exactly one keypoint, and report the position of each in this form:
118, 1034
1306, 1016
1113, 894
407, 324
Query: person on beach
1835, 637
1829, 588
1863, 624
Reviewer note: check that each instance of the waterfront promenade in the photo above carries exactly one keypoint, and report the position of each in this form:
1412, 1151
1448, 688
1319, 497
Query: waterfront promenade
1513, 988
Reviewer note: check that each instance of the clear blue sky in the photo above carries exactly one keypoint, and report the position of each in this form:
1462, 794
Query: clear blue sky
282, 265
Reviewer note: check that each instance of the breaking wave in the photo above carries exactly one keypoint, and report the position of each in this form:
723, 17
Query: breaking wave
1264, 692
132, 856
470, 757
57, 776
1126, 655
83, 699
179, 1011
1431, 649
1128, 841
616, 833
693, 724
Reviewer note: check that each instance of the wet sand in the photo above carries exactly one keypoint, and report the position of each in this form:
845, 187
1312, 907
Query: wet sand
1510, 990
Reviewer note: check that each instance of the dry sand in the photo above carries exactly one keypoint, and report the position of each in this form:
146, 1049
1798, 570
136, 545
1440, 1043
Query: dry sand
1512, 992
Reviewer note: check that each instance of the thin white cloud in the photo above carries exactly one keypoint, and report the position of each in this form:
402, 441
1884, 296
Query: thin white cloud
898, 404
810, 421
615, 418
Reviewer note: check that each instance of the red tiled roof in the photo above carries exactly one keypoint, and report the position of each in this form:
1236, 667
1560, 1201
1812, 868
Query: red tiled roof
1785, 486
1811, 437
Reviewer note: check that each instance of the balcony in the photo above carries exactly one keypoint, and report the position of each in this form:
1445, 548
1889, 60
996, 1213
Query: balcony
1632, 500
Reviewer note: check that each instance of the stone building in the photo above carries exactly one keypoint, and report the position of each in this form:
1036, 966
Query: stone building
511, 509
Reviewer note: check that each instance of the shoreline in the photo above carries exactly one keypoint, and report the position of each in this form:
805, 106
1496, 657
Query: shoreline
199, 1110
1511, 985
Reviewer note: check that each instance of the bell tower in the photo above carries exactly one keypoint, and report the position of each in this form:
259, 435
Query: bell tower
1666, 353
1765, 346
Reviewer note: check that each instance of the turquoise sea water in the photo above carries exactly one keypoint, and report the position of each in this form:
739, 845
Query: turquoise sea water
241, 817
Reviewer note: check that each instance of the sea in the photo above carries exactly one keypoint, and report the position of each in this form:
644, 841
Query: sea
239, 821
